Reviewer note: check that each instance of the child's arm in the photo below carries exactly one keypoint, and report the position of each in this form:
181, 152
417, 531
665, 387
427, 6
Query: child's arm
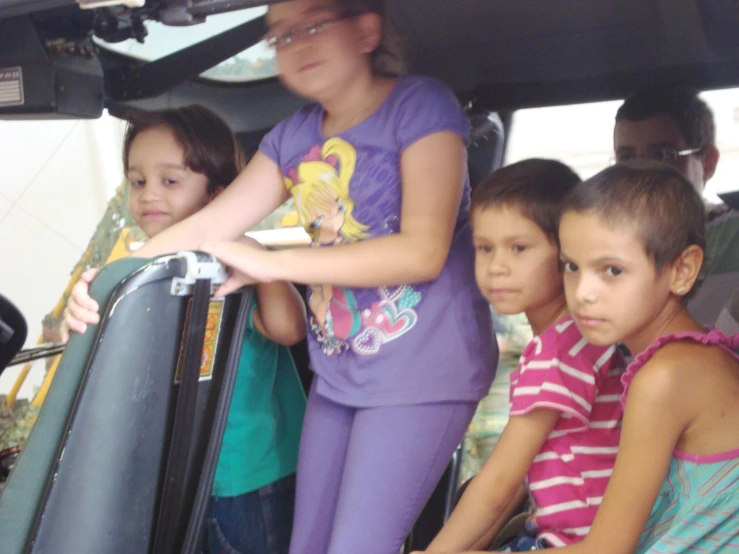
492, 491
505, 517
654, 419
433, 174
280, 312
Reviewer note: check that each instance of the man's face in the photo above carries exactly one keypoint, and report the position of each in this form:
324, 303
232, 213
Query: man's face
646, 138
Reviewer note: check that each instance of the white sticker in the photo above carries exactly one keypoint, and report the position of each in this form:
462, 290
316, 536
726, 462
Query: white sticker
11, 86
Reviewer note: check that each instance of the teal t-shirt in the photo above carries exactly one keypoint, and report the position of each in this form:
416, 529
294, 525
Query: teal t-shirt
260, 442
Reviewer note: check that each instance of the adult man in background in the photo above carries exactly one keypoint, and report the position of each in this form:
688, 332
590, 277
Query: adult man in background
673, 125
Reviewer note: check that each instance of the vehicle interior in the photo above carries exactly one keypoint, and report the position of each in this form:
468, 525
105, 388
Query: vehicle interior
497, 56
78, 58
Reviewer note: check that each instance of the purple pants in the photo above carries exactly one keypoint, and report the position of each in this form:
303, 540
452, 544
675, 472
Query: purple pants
365, 474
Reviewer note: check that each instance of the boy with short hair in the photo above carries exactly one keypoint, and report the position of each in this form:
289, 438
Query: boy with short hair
671, 124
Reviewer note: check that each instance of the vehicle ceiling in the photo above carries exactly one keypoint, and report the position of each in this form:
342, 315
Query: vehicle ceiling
504, 54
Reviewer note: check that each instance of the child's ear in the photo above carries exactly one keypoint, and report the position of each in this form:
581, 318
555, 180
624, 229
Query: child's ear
216, 192
370, 32
686, 269
710, 161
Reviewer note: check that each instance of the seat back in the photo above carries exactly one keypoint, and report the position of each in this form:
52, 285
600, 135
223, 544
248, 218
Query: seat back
90, 477
486, 147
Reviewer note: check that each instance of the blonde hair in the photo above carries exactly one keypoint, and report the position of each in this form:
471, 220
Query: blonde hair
318, 182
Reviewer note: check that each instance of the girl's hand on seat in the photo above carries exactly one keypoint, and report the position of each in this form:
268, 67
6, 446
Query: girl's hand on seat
239, 257
81, 309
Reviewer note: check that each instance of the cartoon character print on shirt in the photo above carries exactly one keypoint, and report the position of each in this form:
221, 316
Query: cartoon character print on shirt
320, 188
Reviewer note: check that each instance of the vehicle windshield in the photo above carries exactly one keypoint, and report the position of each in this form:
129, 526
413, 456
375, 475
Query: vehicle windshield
257, 62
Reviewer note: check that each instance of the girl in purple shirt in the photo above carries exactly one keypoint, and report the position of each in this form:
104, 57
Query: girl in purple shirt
401, 340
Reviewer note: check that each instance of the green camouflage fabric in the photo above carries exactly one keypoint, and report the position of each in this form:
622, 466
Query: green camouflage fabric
513, 334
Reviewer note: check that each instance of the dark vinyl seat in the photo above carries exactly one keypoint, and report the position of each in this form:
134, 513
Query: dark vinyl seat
97, 471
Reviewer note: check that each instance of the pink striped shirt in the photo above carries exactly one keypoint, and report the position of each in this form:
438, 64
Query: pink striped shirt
559, 370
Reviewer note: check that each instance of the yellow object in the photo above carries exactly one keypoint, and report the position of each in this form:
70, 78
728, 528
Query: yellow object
41, 394
13, 393
290, 219
120, 250
210, 343
122, 247
55, 313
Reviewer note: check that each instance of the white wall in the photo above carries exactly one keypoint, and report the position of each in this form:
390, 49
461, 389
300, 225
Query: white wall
56, 178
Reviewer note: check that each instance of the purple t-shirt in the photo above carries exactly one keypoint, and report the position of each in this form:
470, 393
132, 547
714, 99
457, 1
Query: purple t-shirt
398, 344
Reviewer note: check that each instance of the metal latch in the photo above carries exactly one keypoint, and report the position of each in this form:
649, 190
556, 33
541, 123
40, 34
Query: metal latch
199, 266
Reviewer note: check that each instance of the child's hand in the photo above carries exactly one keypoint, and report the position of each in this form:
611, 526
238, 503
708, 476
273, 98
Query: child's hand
81, 309
240, 257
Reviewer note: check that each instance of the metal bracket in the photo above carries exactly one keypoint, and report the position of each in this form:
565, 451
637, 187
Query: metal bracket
199, 266
93, 4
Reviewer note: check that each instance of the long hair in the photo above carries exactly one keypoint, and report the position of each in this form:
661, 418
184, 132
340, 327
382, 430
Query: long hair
388, 58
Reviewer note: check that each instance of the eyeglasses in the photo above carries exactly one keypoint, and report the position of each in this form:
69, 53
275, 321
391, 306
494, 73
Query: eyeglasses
309, 31
662, 155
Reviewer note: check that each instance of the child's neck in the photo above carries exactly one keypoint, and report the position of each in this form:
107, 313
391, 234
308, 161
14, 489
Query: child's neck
354, 103
673, 318
545, 316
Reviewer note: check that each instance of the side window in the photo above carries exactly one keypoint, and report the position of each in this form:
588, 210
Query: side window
581, 136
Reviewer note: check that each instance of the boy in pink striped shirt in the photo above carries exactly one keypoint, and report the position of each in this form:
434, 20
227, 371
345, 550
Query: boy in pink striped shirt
560, 443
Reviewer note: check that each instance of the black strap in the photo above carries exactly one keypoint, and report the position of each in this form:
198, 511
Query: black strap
36, 353
171, 506
193, 537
